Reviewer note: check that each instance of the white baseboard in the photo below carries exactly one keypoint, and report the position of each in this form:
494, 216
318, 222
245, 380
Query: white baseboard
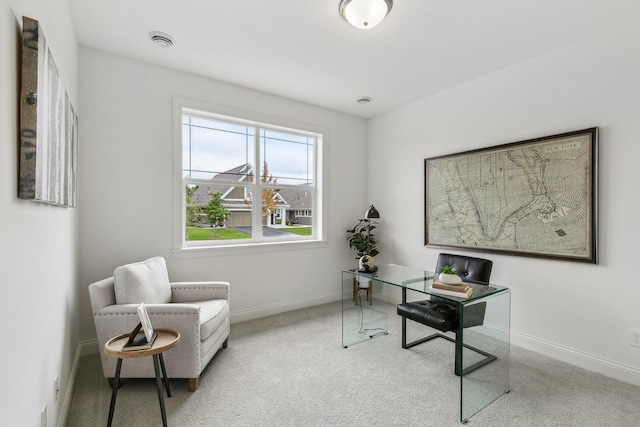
89, 347
578, 358
269, 310
68, 396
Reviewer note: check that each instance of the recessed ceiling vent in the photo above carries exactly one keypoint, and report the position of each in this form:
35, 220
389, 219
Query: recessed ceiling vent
161, 39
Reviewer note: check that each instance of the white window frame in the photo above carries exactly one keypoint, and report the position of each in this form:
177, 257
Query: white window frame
186, 249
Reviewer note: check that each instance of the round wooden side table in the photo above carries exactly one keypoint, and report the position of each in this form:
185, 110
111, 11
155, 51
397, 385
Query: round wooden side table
167, 339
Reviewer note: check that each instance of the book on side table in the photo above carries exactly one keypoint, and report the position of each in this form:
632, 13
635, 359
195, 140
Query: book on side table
139, 342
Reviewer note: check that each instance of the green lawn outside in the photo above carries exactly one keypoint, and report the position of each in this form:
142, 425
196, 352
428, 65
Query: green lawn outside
301, 231
198, 233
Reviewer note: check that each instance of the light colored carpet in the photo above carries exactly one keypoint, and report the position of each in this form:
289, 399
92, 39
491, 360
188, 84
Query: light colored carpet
291, 370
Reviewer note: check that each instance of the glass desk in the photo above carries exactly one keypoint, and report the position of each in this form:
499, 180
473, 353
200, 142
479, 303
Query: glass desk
482, 379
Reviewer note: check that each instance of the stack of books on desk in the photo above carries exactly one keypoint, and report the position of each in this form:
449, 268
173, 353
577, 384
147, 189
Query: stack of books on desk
461, 290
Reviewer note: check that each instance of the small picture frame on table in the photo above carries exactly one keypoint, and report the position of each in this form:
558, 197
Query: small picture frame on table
138, 341
144, 320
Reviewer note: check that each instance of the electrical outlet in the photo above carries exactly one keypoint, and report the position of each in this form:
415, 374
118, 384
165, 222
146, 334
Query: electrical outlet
56, 388
43, 416
634, 337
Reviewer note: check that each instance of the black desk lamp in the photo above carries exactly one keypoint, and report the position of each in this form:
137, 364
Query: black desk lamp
372, 213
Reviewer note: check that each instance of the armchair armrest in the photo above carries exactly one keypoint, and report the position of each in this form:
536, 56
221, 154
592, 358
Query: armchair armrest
183, 292
126, 310
122, 318
102, 294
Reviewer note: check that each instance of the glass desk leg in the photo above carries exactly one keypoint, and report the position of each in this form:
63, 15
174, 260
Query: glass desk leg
361, 321
485, 380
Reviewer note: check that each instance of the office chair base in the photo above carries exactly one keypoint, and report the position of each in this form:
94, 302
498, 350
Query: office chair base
488, 356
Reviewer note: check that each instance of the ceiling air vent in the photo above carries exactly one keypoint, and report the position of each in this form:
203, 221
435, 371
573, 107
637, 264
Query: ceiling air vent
161, 39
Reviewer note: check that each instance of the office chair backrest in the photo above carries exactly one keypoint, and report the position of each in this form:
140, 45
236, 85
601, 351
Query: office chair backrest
470, 269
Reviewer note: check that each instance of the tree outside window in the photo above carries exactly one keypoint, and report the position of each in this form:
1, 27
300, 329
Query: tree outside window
216, 213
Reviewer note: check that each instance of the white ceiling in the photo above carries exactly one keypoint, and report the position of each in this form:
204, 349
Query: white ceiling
304, 50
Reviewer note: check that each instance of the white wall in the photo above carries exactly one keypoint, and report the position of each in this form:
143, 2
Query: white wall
576, 312
38, 243
126, 187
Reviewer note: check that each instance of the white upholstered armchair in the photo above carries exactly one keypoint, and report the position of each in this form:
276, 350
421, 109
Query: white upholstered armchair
198, 310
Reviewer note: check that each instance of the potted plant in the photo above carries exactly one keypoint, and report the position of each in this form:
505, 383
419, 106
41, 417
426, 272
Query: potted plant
361, 240
448, 275
363, 243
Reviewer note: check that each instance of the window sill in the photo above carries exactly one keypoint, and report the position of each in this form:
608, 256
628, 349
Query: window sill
213, 251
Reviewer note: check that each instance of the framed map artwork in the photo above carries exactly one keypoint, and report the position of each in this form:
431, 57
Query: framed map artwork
535, 198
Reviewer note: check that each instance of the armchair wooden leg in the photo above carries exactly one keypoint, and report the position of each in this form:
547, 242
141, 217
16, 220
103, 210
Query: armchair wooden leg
193, 383
225, 344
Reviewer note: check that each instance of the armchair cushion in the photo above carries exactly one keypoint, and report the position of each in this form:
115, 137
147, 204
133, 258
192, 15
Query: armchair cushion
146, 281
213, 314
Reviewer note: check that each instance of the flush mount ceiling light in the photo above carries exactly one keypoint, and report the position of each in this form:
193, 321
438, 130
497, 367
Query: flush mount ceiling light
161, 39
363, 100
364, 14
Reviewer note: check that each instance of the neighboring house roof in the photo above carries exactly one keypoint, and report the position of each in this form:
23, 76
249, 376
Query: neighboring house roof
297, 198
237, 174
223, 183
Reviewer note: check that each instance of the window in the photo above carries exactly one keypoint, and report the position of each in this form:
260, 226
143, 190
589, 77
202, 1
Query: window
244, 182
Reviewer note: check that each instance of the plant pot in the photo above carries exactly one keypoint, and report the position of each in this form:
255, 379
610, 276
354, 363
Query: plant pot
364, 282
450, 279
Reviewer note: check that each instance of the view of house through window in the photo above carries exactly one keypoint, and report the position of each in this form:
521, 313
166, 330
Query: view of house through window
247, 182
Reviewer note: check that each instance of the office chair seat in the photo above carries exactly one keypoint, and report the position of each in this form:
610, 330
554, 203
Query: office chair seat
436, 314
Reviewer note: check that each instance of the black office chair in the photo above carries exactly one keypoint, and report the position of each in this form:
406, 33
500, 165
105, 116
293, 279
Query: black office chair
444, 315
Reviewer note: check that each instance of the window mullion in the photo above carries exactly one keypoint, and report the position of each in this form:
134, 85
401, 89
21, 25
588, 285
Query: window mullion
257, 189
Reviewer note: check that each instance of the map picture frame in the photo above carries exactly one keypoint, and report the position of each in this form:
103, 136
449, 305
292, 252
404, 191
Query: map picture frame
534, 198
